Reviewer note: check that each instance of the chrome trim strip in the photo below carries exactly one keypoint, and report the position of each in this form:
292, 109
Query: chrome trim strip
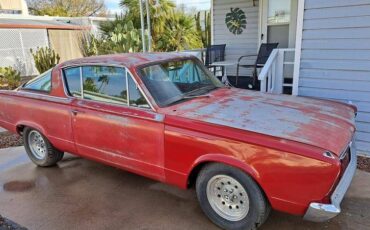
42, 95
322, 212
82, 84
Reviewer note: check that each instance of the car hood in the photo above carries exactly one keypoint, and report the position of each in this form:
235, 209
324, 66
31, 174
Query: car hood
326, 124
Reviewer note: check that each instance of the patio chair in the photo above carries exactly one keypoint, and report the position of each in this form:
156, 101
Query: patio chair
215, 53
262, 56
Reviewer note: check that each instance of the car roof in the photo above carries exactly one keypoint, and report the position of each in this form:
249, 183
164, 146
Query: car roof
130, 60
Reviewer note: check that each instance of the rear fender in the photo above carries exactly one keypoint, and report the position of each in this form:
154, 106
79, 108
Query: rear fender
32, 125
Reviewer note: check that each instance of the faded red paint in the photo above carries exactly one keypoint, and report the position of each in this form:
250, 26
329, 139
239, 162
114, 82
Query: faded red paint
278, 140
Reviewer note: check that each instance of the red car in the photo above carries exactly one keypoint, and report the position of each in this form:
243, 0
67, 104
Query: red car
165, 116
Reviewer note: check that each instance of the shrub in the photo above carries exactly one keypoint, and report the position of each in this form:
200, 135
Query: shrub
45, 58
10, 78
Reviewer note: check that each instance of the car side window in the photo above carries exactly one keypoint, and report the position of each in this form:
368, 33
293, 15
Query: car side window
40, 83
73, 81
137, 99
105, 84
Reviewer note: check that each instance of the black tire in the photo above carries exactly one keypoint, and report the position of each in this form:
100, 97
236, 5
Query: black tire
52, 155
259, 208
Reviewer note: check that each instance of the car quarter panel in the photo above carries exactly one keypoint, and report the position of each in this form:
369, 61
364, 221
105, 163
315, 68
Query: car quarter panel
291, 181
50, 115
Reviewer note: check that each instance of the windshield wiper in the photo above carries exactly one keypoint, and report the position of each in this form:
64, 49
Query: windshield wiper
187, 97
195, 96
201, 91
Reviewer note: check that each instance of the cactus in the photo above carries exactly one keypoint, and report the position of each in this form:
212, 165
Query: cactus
10, 78
126, 39
45, 58
89, 45
206, 33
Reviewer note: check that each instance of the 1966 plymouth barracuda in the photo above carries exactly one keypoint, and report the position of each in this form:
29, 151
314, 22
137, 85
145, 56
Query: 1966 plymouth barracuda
166, 117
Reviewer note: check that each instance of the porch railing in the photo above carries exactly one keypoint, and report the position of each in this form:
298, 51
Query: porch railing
275, 71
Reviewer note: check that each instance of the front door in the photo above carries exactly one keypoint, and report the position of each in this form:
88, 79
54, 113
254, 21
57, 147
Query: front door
112, 122
278, 22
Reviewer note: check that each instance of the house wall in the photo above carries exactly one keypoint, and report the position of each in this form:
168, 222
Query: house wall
236, 45
335, 60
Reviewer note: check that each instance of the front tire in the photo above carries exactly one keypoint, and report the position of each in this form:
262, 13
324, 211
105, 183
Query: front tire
39, 149
230, 198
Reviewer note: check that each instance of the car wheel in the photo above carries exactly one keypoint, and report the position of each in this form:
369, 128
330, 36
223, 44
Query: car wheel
231, 198
39, 149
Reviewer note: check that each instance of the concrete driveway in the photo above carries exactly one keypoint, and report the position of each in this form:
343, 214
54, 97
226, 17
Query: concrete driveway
81, 194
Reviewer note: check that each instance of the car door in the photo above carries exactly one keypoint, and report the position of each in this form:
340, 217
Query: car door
112, 121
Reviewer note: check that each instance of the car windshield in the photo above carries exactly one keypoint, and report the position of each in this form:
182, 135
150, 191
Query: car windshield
175, 81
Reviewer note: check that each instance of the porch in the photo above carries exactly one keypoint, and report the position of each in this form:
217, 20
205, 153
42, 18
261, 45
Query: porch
267, 21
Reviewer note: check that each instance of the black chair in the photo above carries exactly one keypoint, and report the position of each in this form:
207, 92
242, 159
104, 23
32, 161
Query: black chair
215, 53
262, 56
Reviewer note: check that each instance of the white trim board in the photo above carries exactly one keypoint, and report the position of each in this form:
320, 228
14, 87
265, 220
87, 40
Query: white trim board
298, 47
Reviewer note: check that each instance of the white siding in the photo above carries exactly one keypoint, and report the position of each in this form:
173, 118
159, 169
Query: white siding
236, 45
335, 60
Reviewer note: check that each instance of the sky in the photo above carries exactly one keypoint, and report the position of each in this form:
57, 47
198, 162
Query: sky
113, 5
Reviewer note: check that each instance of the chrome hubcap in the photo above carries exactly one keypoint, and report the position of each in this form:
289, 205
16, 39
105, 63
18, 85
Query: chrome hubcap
37, 145
228, 197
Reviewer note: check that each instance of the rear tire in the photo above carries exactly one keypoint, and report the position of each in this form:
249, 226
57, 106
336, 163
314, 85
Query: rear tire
39, 149
230, 198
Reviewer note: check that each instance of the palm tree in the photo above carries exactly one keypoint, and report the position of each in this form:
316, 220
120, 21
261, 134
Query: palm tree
160, 11
180, 33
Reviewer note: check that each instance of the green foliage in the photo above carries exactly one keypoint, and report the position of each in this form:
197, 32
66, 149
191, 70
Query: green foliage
45, 58
180, 33
67, 8
171, 29
89, 45
10, 78
206, 33
126, 38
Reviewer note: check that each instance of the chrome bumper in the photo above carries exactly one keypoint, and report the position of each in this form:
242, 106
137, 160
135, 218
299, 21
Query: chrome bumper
322, 212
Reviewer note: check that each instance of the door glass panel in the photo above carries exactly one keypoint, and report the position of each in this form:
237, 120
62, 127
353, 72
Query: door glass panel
73, 81
278, 34
278, 12
104, 83
136, 97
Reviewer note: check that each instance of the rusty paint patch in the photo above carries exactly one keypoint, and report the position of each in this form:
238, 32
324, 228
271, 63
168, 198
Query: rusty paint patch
316, 122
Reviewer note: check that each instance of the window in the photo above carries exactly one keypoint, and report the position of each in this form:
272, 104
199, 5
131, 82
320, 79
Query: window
174, 81
73, 81
104, 83
40, 83
136, 97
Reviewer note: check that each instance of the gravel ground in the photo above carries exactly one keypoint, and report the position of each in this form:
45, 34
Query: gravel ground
8, 139
363, 163
6, 224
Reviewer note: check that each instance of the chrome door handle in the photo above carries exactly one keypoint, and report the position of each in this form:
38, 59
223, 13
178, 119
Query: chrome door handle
74, 112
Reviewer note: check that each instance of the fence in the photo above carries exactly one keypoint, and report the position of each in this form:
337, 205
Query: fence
15, 45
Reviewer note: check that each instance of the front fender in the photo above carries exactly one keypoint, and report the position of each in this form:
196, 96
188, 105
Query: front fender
227, 160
